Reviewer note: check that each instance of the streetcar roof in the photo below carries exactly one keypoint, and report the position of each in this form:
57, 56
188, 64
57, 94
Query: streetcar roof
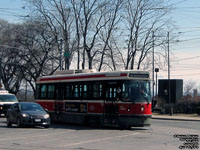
126, 74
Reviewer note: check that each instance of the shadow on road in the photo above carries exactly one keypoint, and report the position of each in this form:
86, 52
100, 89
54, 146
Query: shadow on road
84, 127
72, 126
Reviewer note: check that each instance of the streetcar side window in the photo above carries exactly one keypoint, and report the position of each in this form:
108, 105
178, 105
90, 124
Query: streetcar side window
76, 91
111, 93
50, 91
92, 90
85, 90
97, 90
43, 91
68, 92
80, 90
100, 89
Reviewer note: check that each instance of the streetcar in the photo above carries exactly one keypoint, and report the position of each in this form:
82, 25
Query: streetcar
117, 98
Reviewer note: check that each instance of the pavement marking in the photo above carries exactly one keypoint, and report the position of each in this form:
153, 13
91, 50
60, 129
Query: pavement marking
97, 140
35, 136
40, 141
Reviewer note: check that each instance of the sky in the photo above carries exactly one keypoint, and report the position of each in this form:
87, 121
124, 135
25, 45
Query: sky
185, 61
12, 10
185, 51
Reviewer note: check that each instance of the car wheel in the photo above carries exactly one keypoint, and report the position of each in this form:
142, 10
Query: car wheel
18, 123
8, 122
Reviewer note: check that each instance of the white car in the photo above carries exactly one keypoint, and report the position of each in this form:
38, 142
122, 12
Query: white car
6, 100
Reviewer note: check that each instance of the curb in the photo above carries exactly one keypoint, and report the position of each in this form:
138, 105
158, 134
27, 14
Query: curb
176, 119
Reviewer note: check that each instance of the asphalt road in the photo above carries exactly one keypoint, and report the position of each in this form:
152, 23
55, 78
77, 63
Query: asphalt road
72, 137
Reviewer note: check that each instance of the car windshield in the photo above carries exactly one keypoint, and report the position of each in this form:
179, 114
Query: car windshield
31, 107
8, 98
136, 91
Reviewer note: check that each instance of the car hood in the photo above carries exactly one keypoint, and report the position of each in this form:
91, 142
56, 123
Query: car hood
35, 112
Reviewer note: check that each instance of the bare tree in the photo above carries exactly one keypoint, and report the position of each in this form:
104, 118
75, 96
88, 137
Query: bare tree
188, 86
37, 52
92, 22
90, 29
76, 11
9, 48
58, 16
142, 18
112, 18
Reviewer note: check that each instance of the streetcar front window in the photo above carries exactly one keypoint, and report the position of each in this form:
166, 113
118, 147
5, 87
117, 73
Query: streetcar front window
136, 91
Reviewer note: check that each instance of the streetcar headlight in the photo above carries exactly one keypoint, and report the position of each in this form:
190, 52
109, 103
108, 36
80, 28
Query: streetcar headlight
1, 108
46, 116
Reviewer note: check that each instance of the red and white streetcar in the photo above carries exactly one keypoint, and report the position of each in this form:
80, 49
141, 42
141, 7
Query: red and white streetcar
117, 98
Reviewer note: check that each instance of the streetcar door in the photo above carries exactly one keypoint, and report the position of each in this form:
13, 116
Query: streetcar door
112, 90
58, 104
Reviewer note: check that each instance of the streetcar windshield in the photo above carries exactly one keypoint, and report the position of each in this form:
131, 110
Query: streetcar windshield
8, 98
136, 91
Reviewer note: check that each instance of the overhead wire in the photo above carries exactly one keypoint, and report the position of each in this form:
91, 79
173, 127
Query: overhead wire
186, 58
9, 11
182, 1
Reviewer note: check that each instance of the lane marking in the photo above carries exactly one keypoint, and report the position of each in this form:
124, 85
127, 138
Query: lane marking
97, 140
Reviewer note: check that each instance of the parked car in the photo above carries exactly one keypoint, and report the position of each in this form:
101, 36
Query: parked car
27, 113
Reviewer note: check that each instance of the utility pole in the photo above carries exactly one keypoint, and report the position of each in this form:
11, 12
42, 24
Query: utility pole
153, 70
169, 88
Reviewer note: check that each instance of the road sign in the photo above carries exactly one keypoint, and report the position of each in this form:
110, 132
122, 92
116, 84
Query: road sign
67, 54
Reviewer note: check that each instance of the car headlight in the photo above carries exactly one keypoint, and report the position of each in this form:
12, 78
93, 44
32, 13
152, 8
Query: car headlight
24, 115
46, 116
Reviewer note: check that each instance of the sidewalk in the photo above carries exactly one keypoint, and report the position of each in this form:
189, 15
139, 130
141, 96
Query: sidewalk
180, 117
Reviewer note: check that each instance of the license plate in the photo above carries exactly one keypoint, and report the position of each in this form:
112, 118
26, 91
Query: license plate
37, 120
